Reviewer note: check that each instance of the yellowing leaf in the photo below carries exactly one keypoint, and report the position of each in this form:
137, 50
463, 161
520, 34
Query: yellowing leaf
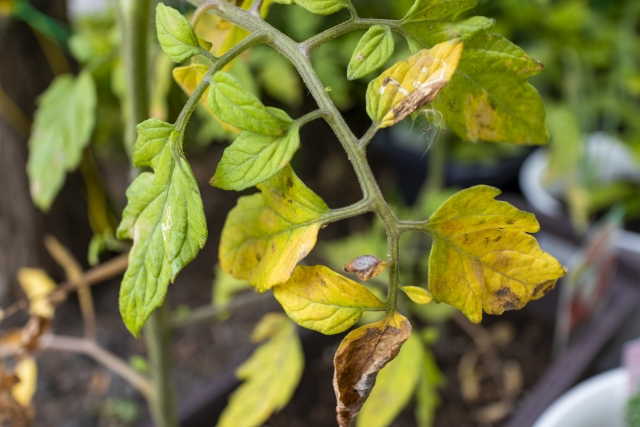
323, 300
271, 374
483, 258
435, 10
27, 371
361, 355
413, 83
417, 295
37, 285
366, 267
267, 234
394, 387
188, 78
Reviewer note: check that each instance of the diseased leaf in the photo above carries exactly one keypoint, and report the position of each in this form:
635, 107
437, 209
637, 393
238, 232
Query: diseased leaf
253, 158
165, 219
361, 355
266, 234
373, 51
27, 371
271, 374
395, 385
411, 84
417, 295
323, 300
62, 128
177, 38
37, 285
489, 98
435, 10
323, 7
430, 33
234, 105
483, 258
366, 266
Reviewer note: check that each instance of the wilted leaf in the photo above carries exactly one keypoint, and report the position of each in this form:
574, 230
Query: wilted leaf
27, 372
394, 386
37, 285
323, 7
266, 234
489, 98
323, 300
373, 51
483, 258
271, 374
361, 355
232, 104
366, 267
253, 158
411, 84
177, 38
165, 219
62, 128
417, 295
434, 10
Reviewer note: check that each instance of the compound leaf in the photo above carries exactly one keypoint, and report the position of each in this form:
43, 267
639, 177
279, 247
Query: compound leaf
361, 355
395, 385
165, 219
267, 233
323, 7
437, 10
411, 84
482, 257
373, 51
177, 38
271, 374
230, 102
323, 300
62, 128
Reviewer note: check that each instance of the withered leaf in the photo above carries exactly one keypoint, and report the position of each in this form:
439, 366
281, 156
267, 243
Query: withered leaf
361, 355
366, 266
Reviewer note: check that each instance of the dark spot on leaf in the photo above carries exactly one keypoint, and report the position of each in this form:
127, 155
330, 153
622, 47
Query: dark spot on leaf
497, 239
542, 289
289, 183
511, 221
507, 300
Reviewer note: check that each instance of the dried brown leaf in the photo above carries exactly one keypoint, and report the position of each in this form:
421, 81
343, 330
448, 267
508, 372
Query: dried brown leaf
366, 266
361, 355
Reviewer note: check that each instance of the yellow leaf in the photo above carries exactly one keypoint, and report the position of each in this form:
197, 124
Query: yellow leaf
483, 258
27, 371
37, 285
361, 355
413, 83
417, 295
323, 300
188, 78
267, 234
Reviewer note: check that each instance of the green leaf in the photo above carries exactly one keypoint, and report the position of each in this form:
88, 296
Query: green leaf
62, 128
373, 51
482, 257
417, 295
323, 7
436, 10
323, 300
271, 374
164, 217
394, 387
266, 234
177, 38
253, 158
430, 33
230, 102
489, 98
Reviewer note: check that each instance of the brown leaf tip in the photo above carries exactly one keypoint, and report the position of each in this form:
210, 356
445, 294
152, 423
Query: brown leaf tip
366, 266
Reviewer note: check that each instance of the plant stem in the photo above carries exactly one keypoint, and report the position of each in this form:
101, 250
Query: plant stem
157, 333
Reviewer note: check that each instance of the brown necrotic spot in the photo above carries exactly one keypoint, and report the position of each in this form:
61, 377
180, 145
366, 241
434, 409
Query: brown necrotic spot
507, 300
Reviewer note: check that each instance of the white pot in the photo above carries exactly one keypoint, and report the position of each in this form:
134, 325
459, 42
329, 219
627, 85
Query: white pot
597, 402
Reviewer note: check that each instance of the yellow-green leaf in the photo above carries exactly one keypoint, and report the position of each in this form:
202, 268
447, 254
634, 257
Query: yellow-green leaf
27, 371
177, 38
436, 10
427, 398
413, 83
323, 7
271, 374
482, 257
37, 285
417, 295
394, 387
225, 286
373, 51
266, 234
323, 300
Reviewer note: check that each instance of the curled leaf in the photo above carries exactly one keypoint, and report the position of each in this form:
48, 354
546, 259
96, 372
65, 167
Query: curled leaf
361, 355
323, 300
417, 295
366, 266
413, 83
